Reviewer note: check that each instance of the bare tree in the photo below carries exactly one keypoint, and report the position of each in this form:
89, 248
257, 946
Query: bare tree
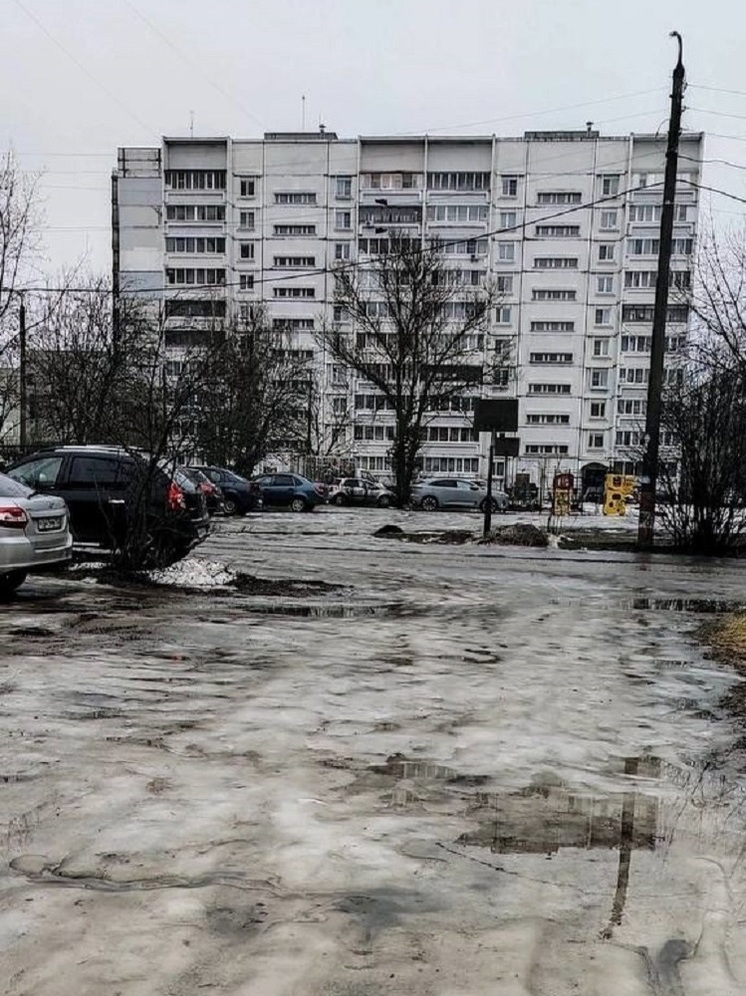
19, 247
255, 398
417, 331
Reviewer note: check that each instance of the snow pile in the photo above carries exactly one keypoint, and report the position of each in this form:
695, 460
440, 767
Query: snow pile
204, 574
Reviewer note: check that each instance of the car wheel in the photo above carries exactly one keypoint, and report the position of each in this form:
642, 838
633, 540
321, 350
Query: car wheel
298, 504
429, 503
384, 501
10, 581
483, 505
339, 500
230, 507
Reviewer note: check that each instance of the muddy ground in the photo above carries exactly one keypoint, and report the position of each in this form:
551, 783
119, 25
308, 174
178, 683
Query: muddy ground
449, 770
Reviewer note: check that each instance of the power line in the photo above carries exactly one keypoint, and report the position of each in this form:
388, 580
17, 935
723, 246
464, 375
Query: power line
192, 63
721, 162
716, 89
719, 114
55, 41
354, 264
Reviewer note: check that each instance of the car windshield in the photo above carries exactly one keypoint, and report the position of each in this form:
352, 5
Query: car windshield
13, 489
234, 478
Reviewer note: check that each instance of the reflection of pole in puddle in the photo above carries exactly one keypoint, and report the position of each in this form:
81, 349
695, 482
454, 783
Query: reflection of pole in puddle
626, 835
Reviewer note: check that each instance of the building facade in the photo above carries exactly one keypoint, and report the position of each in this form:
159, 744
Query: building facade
564, 223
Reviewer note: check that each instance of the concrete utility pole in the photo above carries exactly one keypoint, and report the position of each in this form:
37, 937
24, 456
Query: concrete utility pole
648, 483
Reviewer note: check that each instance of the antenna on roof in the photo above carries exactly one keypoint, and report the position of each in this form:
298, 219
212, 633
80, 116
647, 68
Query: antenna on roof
303, 112
589, 126
191, 124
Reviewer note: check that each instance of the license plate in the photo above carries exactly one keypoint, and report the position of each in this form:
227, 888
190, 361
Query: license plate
48, 525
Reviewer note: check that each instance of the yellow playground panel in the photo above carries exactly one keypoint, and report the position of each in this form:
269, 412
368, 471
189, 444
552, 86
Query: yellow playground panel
617, 487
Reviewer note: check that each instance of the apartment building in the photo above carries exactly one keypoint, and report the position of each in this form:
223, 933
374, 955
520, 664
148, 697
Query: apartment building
565, 224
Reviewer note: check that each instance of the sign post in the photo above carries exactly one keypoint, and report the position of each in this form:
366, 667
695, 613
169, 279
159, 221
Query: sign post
493, 416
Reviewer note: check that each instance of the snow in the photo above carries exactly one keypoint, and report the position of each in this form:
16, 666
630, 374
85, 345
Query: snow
192, 573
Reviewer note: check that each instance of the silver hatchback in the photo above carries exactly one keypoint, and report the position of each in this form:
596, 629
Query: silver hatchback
455, 492
34, 533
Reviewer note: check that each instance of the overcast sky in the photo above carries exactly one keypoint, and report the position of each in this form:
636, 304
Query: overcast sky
78, 78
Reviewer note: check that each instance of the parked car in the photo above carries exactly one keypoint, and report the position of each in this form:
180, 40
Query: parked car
239, 495
105, 488
454, 492
212, 492
290, 491
358, 491
34, 533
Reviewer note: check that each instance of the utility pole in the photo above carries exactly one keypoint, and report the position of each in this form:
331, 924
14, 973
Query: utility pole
22, 377
646, 529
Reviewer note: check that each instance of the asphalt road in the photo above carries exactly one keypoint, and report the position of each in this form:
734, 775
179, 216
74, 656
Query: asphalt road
389, 768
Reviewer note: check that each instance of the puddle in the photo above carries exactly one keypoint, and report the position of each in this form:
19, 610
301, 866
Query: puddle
333, 610
399, 767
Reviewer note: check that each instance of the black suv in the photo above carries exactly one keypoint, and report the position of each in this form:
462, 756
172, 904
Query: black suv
106, 487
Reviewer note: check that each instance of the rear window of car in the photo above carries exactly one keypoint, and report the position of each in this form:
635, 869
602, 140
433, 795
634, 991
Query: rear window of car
12, 489
443, 484
93, 470
41, 472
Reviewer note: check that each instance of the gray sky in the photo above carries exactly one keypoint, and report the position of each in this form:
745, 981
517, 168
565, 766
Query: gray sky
79, 78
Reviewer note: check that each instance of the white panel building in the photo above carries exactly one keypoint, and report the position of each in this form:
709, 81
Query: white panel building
566, 223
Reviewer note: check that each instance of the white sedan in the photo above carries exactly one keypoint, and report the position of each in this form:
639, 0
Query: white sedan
34, 533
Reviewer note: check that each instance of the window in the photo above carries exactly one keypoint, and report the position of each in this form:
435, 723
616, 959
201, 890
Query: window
509, 186
506, 252
195, 212
558, 231
650, 213
632, 406
294, 262
93, 472
553, 326
628, 437
246, 281
599, 379
598, 409
196, 275
634, 375
553, 295
457, 213
296, 197
195, 245
343, 188
508, 219
195, 179
458, 181
339, 406
682, 247
294, 230
246, 250
503, 315
343, 220
342, 250
246, 219
600, 347
643, 247
645, 312
602, 316
504, 283
595, 440
247, 186
546, 449
39, 473
391, 181
547, 418
450, 465
556, 263
609, 220
636, 343
468, 247
293, 324
548, 388
606, 252
554, 359
294, 292
340, 314
610, 185
605, 285
559, 197
195, 309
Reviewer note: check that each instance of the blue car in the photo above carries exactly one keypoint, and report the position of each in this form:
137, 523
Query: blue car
239, 495
290, 491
